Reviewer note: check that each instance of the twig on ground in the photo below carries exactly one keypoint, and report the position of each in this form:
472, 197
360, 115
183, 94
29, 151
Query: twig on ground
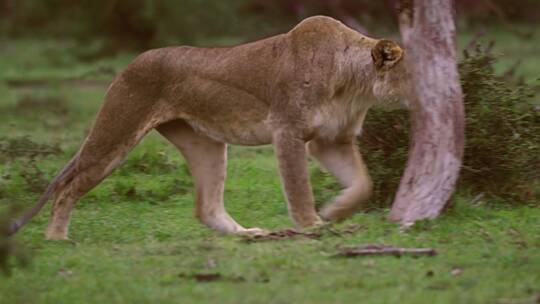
211, 277
371, 250
292, 233
279, 235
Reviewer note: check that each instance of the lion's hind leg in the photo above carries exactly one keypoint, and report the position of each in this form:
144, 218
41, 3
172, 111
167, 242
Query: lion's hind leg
207, 161
88, 173
125, 118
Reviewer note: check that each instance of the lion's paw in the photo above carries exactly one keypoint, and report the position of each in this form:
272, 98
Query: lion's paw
253, 232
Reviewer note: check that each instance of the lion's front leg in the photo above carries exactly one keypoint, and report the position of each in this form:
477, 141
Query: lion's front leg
291, 154
344, 161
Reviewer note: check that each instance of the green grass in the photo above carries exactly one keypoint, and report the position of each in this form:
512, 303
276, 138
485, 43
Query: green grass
135, 239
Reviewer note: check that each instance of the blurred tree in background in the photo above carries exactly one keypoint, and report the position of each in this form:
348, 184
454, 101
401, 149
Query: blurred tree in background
141, 24
128, 24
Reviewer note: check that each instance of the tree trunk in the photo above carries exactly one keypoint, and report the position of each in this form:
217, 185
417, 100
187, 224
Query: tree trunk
436, 150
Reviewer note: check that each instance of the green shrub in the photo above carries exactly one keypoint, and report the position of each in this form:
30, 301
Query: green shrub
12, 253
12, 148
503, 146
502, 149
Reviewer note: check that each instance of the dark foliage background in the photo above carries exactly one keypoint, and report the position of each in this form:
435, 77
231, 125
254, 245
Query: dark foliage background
108, 25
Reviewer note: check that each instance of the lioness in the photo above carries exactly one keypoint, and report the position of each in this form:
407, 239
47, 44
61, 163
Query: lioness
305, 90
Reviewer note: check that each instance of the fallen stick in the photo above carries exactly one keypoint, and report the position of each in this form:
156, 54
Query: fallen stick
280, 235
292, 233
371, 250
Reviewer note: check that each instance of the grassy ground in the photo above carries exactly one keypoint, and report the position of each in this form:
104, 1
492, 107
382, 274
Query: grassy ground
135, 239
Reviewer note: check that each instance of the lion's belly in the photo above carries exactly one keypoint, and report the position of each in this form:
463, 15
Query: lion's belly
237, 133
222, 111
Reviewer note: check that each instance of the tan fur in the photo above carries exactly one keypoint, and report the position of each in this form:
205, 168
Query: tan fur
312, 85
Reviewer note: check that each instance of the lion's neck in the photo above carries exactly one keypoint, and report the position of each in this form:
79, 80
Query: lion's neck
353, 96
356, 72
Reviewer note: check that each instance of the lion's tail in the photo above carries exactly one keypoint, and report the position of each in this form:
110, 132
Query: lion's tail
67, 173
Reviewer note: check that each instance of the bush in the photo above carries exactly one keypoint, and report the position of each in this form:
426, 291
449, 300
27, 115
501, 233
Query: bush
502, 150
12, 148
10, 250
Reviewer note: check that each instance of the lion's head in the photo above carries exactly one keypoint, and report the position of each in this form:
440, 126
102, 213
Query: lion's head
391, 80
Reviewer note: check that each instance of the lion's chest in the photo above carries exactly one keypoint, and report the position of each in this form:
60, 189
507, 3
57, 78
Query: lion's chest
245, 133
339, 120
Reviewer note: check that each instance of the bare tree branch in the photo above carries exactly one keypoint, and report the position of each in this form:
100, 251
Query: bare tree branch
370, 250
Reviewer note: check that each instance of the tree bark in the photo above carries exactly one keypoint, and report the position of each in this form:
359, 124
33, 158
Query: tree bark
436, 150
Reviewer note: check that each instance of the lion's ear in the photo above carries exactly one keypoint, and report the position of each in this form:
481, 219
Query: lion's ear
386, 54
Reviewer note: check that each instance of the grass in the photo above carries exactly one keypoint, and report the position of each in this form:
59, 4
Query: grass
135, 240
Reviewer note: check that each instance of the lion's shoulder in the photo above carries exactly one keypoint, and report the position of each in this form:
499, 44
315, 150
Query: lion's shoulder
324, 31
318, 24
